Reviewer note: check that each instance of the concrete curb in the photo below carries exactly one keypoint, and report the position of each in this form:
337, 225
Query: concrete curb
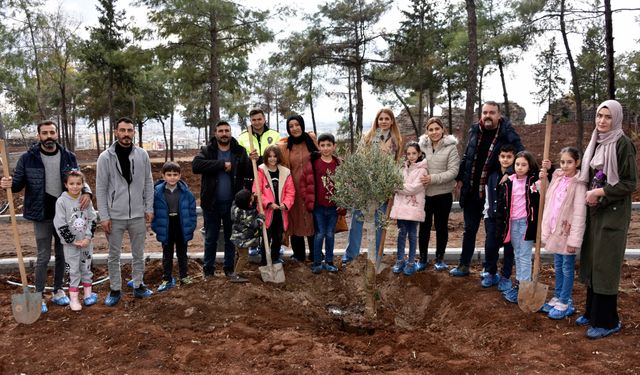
451, 256
454, 208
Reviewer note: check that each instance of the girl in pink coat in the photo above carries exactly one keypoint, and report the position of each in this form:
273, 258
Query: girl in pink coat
408, 207
278, 195
563, 226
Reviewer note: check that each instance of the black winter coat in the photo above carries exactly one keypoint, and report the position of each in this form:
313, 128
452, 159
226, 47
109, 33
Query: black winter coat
30, 175
507, 135
207, 164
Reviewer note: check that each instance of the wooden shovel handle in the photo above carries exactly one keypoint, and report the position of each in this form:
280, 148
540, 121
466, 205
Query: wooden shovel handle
12, 211
543, 191
256, 180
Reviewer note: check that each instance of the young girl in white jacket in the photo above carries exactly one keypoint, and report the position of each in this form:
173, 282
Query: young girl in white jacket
408, 207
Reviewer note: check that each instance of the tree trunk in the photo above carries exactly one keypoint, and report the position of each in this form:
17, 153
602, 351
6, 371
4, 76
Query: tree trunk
406, 107
420, 112
310, 94
95, 127
171, 135
3, 134
450, 105
432, 103
110, 104
371, 298
574, 77
359, 103
506, 111
351, 129
36, 62
104, 135
166, 143
140, 124
214, 73
608, 40
472, 77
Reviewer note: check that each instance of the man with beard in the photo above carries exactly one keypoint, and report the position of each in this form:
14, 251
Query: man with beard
40, 171
225, 169
124, 188
480, 159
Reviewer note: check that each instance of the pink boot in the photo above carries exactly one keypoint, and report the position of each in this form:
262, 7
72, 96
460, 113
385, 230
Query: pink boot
89, 297
74, 301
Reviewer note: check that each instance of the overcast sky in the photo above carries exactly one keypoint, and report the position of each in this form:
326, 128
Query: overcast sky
520, 84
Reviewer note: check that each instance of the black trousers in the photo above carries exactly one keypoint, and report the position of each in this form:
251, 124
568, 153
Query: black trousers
175, 239
297, 245
602, 310
274, 232
437, 209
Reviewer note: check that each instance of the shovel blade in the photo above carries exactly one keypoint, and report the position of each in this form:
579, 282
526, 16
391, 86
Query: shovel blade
273, 273
531, 296
26, 307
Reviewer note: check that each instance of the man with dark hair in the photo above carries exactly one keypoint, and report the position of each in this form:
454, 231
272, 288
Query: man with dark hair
40, 171
479, 161
124, 188
225, 169
263, 137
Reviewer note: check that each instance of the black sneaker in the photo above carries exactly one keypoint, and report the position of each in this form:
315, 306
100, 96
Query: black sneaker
142, 292
235, 278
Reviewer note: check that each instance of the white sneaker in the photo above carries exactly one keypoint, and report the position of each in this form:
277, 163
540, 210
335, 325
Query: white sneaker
59, 298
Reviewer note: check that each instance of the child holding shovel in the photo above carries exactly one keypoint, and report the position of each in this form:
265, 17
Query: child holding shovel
517, 212
563, 227
278, 195
76, 227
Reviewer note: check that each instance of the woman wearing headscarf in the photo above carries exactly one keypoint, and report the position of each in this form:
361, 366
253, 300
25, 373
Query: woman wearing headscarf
390, 141
296, 152
609, 170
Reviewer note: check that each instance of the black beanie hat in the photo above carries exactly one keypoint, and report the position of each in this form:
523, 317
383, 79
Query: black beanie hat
243, 199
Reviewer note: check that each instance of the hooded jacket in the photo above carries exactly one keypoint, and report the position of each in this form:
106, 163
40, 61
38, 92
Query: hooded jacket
207, 164
187, 214
30, 175
72, 223
286, 193
117, 199
408, 203
443, 162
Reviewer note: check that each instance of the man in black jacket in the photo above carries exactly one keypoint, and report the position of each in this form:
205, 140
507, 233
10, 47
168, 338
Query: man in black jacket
40, 171
225, 169
480, 159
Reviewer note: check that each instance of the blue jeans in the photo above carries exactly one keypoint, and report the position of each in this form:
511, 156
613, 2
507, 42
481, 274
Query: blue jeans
212, 220
355, 233
407, 228
521, 249
492, 245
472, 213
324, 223
565, 267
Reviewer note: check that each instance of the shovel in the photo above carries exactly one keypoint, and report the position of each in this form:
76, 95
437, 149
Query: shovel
383, 236
532, 294
26, 306
271, 273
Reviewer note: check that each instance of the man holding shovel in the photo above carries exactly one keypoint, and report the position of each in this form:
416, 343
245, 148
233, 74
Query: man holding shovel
40, 173
225, 169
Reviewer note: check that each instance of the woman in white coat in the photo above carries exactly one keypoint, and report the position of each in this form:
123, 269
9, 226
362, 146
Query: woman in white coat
442, 157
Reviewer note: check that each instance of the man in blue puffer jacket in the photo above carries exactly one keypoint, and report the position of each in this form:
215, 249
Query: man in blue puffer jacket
40, 171
174, 220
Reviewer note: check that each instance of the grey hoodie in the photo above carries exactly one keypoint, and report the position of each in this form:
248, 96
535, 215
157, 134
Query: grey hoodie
72, 223
116, 198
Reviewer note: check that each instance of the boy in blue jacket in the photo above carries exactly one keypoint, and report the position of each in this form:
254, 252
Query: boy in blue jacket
174, 221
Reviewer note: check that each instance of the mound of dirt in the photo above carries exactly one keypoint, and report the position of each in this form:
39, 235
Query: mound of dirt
427, 323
